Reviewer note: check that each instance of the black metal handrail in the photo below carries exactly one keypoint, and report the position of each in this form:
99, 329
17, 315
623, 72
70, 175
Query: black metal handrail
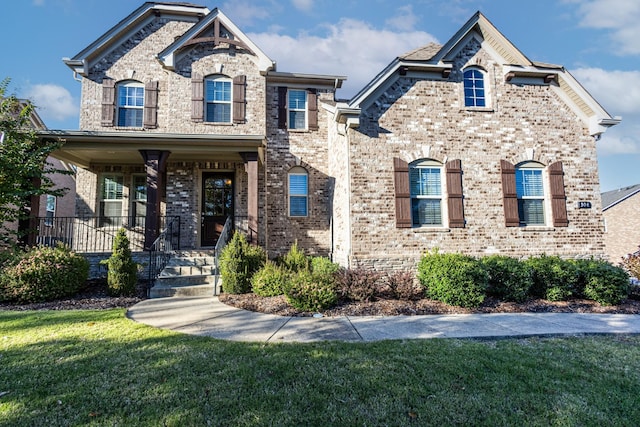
161, 249
223, 239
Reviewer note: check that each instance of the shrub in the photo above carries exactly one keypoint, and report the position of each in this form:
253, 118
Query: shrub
270, 280
632, 264
508, 278
454, 279
606, 283
307, 292
295, 260
323, 266
44, 274
403, 286
358, 284
122, 273
553, 278
239, 261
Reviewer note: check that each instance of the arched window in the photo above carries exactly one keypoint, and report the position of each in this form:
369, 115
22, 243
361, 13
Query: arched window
474, 88
298, 192
217, 99
425, 184
130, 103
530, 193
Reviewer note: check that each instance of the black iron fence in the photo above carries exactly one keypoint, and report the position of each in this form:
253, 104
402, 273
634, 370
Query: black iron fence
93, 234
162, 248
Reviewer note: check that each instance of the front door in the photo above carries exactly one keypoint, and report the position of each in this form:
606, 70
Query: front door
217, 205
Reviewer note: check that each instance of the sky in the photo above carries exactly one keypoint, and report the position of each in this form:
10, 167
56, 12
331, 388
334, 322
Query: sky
598, 41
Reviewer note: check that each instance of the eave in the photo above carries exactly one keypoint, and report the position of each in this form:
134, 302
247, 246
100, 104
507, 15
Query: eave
85, 148
304, 80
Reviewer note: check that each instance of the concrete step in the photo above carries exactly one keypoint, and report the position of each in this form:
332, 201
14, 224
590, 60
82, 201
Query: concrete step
187, 270
160, 291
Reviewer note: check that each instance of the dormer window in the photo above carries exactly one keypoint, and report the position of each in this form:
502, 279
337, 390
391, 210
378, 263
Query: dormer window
474, 88
130, 104
218, 99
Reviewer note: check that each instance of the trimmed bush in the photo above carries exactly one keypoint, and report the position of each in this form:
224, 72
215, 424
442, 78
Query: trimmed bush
44, 274
606, 283
403, 286
323, 266
454, 279
270, 281
239, 261
358, 284
295, 260
632, 264
122, 273
554, 279
508, 278
307, 292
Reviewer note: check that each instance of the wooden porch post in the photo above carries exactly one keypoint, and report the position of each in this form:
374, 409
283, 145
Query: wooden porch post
155, 163
251, 166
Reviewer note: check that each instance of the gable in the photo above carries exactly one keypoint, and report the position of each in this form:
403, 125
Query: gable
216, 29
612, 198
82, 62
429, 62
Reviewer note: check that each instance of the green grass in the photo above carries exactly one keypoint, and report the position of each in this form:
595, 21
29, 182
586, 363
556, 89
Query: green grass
99, 368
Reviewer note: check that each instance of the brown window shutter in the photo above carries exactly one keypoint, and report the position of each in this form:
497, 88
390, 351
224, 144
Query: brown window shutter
108, 102
239, 98
151, 105
454, 194
403, 195
312, 108
558, 197
509, 194
282, 107
197, 98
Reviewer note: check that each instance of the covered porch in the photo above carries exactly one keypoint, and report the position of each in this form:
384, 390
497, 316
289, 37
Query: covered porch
147, 177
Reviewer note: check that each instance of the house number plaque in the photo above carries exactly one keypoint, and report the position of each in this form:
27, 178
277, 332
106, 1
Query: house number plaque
584, 205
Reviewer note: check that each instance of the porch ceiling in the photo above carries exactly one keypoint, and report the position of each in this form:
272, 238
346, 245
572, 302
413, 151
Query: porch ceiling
84, 148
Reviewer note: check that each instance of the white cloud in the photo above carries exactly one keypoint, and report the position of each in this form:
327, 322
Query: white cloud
52, 101
243, 12
405, 19
619, 16
349, 48
303, 5
617, 91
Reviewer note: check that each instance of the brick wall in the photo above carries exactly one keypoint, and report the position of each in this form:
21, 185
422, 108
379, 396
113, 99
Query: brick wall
622, 234
419, 118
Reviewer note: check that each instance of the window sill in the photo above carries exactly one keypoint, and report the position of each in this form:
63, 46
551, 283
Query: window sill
217, 123
535, 228
478, 109
130, 128
298, 130
430, 229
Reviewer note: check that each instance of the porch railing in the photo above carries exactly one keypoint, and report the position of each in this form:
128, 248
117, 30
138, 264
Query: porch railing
223, 239
92, 234
162, 248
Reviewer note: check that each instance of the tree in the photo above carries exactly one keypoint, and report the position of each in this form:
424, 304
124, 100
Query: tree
24, 173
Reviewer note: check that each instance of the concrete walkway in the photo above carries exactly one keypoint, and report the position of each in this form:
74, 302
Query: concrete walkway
209, 317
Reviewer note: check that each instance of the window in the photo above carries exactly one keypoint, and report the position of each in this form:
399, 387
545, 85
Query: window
530, 193
218, 100
50, 210
297, 107
139, 200
298, 192
130, 104
474, 94
425, 184
111, 200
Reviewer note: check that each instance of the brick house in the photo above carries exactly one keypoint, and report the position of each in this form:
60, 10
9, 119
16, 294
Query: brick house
621, 235
468, 146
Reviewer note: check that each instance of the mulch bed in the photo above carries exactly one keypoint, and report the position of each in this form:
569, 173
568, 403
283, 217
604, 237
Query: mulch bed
95, 297
390, 307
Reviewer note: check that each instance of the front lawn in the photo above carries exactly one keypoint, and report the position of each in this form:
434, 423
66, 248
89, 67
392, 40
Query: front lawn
96, 367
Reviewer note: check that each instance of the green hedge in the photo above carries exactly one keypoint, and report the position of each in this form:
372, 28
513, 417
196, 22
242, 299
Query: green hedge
239, 261
454, 279
44, 274
508, 278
